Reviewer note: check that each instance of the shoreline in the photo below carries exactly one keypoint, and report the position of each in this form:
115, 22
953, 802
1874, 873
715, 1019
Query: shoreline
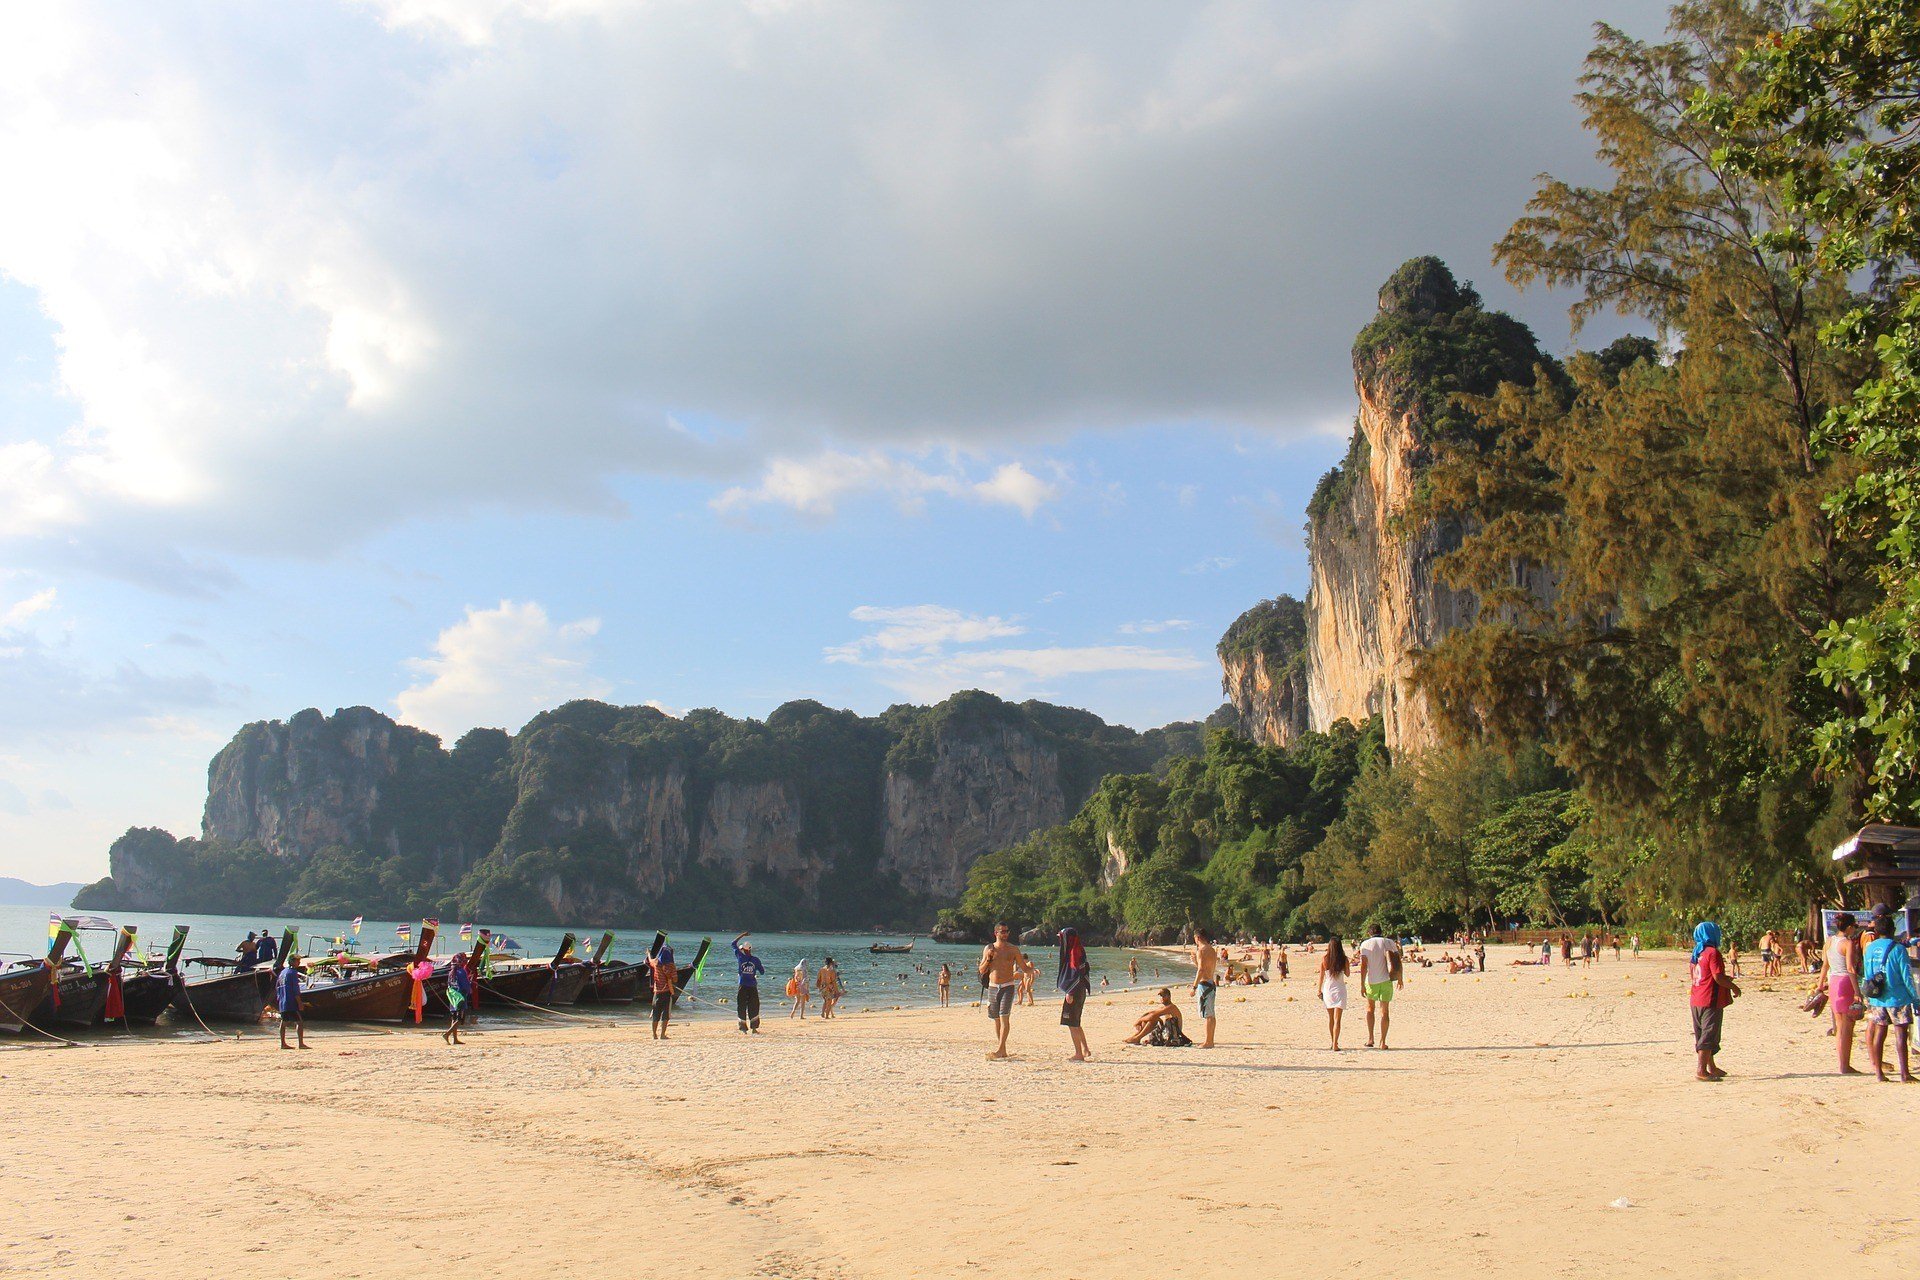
885, 1144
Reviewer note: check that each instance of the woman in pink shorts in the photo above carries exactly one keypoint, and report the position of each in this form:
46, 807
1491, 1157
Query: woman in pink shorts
1843, 986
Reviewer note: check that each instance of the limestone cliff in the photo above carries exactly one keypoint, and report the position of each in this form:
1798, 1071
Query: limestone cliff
1375, 598
1263, 663
594, 814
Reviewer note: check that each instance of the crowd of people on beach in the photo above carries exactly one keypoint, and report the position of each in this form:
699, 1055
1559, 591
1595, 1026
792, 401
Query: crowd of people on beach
1863, 974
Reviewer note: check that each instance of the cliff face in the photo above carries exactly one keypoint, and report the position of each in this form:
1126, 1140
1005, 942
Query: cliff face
595, 814
1263, 663
983, 791
1375, 598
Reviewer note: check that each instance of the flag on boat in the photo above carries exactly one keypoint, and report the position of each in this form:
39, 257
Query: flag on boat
356, 926
466, 932
406, 932
53, 925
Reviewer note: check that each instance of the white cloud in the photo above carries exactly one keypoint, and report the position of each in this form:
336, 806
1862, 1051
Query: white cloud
817, 486
1151, 626
48, 695
1212, 564
929, 651
498, 667
315, 269
19, 611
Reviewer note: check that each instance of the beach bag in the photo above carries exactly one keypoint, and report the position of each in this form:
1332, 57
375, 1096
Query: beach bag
1816, 1003
1167, 1036
793, 986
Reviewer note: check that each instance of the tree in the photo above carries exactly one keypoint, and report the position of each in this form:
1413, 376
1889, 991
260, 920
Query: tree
1667, 494
1833, 120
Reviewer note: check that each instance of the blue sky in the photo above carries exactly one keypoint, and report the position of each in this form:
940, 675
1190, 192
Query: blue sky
456, 357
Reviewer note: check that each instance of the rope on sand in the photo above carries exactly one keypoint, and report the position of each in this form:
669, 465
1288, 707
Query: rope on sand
28, 1023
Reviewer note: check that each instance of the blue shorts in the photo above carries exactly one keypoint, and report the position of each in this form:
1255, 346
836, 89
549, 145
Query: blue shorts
1208, 992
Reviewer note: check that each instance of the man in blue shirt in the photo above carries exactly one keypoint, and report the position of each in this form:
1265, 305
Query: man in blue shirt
747, 998
265, 950
286, 997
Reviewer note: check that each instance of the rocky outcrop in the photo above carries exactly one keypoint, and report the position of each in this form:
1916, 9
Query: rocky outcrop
981, 791
595, 814
1375, 599
1263, 664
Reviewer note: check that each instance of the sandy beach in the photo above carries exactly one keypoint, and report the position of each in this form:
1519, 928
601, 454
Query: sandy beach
1515, 1109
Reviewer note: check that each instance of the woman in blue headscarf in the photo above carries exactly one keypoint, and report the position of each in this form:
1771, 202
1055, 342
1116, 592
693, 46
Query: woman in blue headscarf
1712, 992
1075, 979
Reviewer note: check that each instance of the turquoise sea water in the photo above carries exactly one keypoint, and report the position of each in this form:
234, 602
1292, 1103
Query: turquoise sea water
872, 981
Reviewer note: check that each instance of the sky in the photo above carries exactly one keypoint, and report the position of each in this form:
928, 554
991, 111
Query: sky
459, 357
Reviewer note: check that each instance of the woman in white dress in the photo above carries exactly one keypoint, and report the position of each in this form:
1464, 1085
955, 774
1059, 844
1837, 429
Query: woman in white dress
1333, 988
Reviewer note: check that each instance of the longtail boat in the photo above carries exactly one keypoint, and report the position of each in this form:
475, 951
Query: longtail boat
615, 983
135, 992
890, 948
79, 989
24, 986
689, 972
384, 995
559, 981
222, 997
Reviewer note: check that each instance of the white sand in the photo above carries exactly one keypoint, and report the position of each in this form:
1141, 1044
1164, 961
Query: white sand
1514, 1108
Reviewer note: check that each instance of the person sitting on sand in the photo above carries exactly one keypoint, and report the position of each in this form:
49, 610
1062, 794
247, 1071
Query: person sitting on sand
1166, 1012
287, 1000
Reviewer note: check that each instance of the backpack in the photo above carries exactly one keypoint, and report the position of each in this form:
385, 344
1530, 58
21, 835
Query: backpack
1168, 1036
1875, 986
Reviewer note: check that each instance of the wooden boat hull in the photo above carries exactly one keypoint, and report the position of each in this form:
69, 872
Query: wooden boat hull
145, 995
613, 983
538, 986
381, 997
231, 997
20, 995
74, 1000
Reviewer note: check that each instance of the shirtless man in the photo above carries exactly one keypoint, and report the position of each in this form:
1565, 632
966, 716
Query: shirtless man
1206, 980
1002, 966
1166, 1011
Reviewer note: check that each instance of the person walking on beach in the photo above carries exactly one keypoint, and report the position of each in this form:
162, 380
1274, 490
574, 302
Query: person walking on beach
1843, 986
1380, 971
287, 999
1713, 990
1888, 983
1333, 989
798, 992
459, 996
1074, 977
1480, 953
829, 986
666, 979
1133, 969
746, 997
946, 984
1002, 965
1206, 981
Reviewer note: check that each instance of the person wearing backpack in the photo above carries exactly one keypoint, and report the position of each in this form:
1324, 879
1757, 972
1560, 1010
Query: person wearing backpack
1887, 984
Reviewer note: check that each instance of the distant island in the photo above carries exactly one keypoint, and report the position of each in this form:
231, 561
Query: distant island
22, 893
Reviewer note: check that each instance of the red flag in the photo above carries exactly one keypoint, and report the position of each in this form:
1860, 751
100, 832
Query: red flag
116, 1000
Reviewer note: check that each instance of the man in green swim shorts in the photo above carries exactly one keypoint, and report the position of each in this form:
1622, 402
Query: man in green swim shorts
1378, 960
